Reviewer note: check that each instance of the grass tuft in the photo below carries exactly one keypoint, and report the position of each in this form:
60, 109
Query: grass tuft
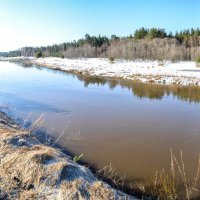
173, 185
78, 158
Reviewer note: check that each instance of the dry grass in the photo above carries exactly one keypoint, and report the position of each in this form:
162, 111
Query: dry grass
108, 173
173, 185
31, 170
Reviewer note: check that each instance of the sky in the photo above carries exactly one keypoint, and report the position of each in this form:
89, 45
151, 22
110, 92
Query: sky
47, 22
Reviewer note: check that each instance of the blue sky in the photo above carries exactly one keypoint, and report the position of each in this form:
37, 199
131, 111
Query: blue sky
45, 22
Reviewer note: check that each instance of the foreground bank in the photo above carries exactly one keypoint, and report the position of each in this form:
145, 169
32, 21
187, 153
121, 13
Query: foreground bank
31, 170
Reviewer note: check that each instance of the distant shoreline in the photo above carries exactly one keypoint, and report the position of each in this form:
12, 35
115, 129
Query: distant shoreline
184, 73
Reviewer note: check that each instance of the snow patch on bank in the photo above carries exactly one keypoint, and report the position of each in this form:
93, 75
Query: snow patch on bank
182, 73
162, 72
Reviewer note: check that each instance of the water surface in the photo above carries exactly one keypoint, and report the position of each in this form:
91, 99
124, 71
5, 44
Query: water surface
129, 124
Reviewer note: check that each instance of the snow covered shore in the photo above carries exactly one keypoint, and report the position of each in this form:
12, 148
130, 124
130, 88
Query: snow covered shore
182, 73
162, 72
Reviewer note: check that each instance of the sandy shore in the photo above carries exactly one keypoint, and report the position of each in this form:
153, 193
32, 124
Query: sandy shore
31, 170
161, 72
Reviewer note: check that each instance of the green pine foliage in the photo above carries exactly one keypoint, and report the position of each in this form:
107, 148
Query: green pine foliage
141, 33
38, 54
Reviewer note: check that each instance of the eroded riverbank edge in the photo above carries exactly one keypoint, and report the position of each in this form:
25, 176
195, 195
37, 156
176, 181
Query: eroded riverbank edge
32, 170
183, 73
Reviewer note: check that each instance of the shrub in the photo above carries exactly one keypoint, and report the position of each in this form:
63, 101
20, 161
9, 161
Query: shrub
111, 59
160, 62
62, 56
173, 60
38, 54
198, 60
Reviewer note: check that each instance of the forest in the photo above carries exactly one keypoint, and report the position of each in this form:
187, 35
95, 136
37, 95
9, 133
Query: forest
144, 43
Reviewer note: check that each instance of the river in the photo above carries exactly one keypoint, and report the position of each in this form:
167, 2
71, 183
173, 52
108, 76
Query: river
131, 125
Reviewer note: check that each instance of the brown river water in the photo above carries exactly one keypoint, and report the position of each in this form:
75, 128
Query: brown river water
128, 124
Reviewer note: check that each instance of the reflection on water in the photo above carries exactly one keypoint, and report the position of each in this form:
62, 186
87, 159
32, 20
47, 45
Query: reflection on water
130, 124
139, 89
148, 90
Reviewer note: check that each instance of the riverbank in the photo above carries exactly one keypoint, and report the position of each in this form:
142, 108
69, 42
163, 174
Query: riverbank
160, 72
31, 170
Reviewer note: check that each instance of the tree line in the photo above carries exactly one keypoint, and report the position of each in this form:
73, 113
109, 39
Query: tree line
153, 43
